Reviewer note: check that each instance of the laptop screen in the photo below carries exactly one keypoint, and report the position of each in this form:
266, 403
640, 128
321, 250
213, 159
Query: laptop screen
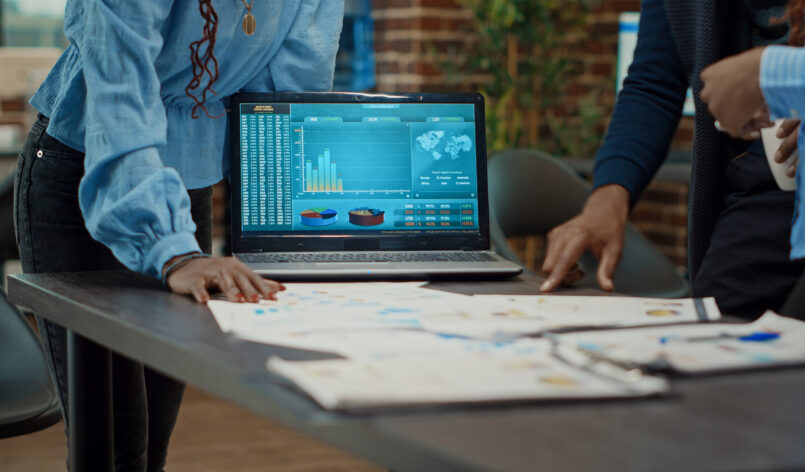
375, 168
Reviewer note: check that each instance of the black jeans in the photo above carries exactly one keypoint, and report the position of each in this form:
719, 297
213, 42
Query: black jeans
747, 266
52, 237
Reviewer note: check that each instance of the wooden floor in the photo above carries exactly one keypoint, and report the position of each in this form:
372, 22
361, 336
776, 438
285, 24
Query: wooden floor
211, 435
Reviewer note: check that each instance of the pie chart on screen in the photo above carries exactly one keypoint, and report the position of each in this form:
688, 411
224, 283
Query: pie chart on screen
321, 216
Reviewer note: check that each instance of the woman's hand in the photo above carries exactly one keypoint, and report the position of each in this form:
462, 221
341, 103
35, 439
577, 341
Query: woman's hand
731, 90
232, 277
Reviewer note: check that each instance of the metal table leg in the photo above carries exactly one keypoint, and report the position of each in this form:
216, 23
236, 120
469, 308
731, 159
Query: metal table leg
89, 378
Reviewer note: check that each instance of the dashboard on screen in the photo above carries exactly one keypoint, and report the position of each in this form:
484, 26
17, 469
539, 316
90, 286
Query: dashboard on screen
358, 168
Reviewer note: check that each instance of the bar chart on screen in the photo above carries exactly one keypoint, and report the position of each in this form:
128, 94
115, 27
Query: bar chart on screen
367, 159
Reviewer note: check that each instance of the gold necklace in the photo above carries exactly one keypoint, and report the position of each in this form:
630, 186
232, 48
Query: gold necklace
249, 23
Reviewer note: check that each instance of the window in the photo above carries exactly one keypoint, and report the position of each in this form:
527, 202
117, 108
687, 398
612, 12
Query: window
40, 23
28, 23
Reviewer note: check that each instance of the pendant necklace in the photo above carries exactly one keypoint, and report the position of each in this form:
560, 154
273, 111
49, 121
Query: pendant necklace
249, 23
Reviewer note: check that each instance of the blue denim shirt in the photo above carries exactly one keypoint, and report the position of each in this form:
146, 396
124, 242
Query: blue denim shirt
782, 80
117, 94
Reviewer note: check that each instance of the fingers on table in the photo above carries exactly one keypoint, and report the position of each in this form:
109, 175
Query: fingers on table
199, 291
226, 283
239, 283
608, 260
561, 259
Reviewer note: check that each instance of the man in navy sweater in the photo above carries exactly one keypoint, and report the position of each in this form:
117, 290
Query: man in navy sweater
738, 221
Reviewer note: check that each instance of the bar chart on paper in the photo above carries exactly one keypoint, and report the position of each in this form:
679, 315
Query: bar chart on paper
360, 159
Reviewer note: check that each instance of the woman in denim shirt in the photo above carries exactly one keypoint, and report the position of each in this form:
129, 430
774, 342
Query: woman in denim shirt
117, 171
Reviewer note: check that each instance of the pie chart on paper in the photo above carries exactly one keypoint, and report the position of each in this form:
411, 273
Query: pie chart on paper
321, 216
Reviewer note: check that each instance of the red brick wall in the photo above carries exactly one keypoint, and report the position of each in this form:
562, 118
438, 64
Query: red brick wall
661, 215
407, 32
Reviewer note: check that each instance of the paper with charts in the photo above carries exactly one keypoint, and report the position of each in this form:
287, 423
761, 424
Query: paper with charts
772, 340
528, 314
525, 369
405, 344
307, 309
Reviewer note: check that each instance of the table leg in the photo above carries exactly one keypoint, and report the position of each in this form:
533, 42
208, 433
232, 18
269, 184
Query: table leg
89, 379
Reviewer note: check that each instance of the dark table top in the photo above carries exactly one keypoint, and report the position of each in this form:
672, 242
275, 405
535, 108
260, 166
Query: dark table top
749, 421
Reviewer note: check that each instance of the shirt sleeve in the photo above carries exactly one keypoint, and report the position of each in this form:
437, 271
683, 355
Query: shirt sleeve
782, 80
131, 202
647, 110
306, 59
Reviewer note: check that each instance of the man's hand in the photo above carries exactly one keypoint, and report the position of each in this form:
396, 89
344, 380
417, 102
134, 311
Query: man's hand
731, 90
598, 228
235, 280
789, 130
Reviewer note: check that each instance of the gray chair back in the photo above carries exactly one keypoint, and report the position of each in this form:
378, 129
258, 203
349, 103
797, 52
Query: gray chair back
531, 192
28, 400
8, 241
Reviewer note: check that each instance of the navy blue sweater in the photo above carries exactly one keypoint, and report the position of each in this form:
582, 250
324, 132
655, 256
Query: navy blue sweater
677, 39
648, 108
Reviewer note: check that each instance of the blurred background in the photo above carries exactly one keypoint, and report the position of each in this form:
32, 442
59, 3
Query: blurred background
549, 69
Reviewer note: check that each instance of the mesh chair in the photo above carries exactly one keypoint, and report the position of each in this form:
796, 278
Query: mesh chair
530, 192
28, 400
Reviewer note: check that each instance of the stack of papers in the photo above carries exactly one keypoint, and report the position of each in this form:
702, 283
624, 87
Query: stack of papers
772, 340
522, 370
405, 344
488, 315
306, 309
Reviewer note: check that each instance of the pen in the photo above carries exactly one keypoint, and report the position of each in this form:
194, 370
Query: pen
757, 336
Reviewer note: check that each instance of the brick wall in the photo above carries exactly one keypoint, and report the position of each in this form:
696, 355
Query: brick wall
405, 33
661, 215
411, 36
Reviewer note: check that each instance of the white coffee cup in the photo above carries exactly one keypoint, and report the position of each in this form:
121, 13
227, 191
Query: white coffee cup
771, 143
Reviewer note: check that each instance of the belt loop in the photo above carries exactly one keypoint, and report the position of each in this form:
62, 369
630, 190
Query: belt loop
40, 118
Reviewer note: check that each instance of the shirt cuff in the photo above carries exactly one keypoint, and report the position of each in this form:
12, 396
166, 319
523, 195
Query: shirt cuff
167, 247
623, 172
782, 69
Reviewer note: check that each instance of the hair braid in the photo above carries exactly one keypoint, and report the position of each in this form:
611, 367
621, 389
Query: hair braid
795, 14
206, 63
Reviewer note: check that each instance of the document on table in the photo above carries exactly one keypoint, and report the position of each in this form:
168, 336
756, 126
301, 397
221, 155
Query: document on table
336, 307
527, 314
772, 340
306, 314
527, 369
406, 344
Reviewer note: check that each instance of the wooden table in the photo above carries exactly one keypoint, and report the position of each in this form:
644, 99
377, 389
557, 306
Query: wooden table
732, 422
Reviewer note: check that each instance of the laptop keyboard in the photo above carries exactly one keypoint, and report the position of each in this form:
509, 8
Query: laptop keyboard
424, 256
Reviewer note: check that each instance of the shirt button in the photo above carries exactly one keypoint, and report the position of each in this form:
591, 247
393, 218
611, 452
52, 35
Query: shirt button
39, 153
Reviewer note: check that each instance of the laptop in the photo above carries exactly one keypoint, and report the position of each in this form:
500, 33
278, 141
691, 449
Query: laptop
361, 186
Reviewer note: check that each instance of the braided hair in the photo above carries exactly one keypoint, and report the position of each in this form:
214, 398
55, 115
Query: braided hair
795, 14
204, 63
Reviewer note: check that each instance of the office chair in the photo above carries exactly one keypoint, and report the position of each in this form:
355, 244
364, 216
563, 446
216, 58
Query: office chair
530, 192
8, 242
28, 400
